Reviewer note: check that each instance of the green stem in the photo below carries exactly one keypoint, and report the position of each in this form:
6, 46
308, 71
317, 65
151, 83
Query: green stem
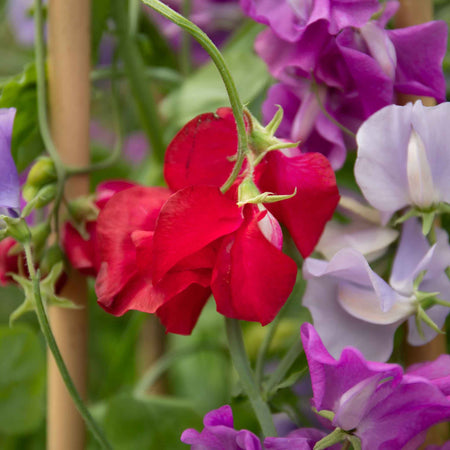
39, 48
135, 68
164, 363
283, 367
242, 366
230, 86
186, 44
52, 345
263, 349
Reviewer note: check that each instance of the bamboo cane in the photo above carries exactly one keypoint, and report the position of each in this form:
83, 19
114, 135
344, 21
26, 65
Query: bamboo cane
69, 91
414, 12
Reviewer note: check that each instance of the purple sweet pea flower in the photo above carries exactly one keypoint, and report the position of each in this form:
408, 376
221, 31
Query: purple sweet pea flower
219, 433
289, 19
9, 179
437, 371
404, 157
20, 14
302, 439
352, 305
355, 73
373, 401
217, 18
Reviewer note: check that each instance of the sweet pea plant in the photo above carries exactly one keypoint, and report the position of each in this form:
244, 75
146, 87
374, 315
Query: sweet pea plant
289, 232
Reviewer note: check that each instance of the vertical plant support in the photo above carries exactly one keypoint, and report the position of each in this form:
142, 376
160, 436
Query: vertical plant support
414, 12
69, 95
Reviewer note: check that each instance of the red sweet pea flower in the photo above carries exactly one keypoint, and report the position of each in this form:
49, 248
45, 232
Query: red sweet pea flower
82, 253
201, 153
250, 277
8, 263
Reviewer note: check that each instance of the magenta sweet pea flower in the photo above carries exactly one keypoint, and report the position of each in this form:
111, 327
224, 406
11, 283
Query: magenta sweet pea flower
302, 439
9, 179
352, 305
404, 157
219, 433
355, 73
289, 20
374, 402
437, 372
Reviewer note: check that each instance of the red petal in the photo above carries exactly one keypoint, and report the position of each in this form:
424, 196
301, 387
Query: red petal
107, 189
306, 214
133, 209
200, 152
8, 263
180, 314
82, 253
252, 279
190, 220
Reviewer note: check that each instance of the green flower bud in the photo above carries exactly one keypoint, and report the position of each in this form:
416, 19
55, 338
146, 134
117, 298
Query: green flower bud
43, 172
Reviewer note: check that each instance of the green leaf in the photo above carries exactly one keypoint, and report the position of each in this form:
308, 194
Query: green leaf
154, 422
20, 93
22, 380
204, 90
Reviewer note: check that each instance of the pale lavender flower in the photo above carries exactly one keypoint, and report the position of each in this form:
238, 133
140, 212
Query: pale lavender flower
219, 433
9, 179
352, 305
404, 157
375, 402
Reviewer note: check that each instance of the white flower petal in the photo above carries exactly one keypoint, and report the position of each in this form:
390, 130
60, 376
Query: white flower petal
380, 167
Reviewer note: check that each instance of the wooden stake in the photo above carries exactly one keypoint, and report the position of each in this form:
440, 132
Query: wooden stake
69, 91
414, 12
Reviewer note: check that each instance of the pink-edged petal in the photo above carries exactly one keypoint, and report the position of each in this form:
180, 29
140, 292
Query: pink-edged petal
180, 314
432, 125
332, 378
201, 152
420, 51
252, 279
380, 168
338, 329
190, 220
133, 209
305, 214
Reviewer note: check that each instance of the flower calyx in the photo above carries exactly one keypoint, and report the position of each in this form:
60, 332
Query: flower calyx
14, 227
47, 287
249, 193
262, 139
424, 301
